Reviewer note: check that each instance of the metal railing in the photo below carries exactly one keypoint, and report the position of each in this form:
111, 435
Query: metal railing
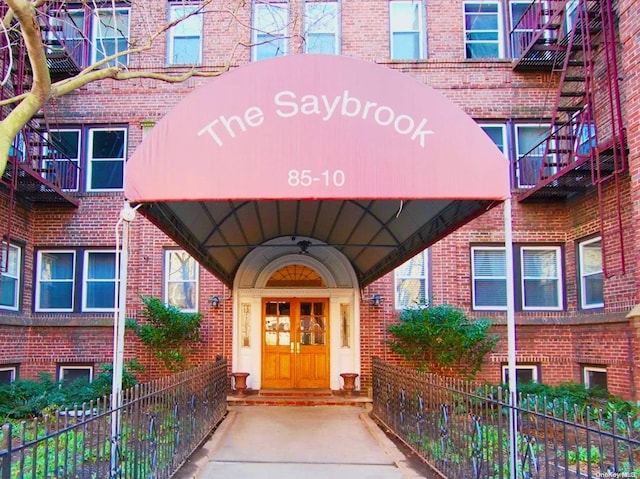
36, 152
161, 424
534, 25
461, 429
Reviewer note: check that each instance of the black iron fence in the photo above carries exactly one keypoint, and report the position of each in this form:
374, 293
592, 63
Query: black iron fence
461, 429
159, 425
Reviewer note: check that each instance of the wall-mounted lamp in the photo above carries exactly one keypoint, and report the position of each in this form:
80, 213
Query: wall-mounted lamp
376, 300
215, 302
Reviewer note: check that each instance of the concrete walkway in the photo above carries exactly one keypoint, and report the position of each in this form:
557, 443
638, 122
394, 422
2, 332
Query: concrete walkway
281, 442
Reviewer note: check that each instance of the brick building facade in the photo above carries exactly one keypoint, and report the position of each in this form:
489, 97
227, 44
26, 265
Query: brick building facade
575, 254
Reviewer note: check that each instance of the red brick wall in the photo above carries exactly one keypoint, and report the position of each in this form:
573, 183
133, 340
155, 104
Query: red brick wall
559, 341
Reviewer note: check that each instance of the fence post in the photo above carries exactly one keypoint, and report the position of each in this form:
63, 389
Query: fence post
6, 460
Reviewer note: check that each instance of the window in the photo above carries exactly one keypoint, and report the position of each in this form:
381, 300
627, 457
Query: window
106, 157
185, 39
57, 289
571, 14
521, 32
68, 33
482, 30
10, 275
407, 30
541, 273
110, 35
412, 281
489, 277
90, 36
498, 134
529, 152
8, 374
321, 27
591, 278
181, 280
64, 145
525, 373
539, 278
69, 374
102, 158
55, 281
594, 377
271, 29
99, 280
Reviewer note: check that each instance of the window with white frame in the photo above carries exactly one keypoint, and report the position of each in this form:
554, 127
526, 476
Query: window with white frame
406, 19
321, 26
541, 272
412, 281
55, 280
483, 30
521, 31
110, 35
76, 372
181, 280
106, 157
591, 277
270, 29
8, 374
594, 377
99, 280
489, 278
185, 38
10, 276
517, 10
525, 373
64, 145
529, 146
68, 34
498, 134
571, 13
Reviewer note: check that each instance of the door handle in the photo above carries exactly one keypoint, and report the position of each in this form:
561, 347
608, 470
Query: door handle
297, 347
293, 347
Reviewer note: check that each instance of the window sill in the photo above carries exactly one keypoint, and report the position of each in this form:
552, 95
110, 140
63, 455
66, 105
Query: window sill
57, 320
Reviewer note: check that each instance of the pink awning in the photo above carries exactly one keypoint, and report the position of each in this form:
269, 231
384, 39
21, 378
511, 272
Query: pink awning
316, 127
340, 151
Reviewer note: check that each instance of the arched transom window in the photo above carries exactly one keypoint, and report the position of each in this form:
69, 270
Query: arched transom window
295, 275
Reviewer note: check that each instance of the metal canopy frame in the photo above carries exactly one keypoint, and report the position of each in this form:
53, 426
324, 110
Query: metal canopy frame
375, 235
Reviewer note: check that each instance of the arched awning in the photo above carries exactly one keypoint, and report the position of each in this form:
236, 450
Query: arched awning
353, 154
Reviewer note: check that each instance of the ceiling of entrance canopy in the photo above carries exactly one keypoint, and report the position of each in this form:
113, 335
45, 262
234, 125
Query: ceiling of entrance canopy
335, 150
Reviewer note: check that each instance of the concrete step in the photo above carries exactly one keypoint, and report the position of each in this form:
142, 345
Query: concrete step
298, 397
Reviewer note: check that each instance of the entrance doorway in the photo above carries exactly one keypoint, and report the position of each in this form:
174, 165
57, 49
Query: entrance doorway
295, 343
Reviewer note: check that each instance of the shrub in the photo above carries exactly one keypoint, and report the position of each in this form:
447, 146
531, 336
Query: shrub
26, 398
442, 336
167, 330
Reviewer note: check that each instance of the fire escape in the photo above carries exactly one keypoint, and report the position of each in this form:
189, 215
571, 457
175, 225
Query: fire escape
37, 171
585, 150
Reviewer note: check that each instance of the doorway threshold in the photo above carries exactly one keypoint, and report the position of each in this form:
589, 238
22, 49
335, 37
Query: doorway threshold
298, 397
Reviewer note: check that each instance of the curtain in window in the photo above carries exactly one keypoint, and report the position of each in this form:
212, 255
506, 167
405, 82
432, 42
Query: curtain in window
540, 278
490, 278
101, 280
56, 280
592, 278
405, 29
182, 285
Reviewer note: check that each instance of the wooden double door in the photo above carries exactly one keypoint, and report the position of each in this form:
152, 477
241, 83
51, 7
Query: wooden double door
295, 343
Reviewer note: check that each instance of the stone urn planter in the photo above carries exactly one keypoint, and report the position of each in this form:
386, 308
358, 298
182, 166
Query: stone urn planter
239, 383
349, 383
